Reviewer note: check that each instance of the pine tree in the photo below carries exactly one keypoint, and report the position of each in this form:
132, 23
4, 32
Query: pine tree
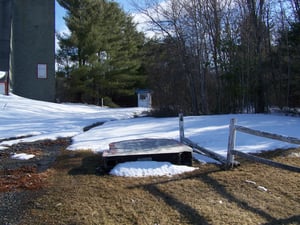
102, 50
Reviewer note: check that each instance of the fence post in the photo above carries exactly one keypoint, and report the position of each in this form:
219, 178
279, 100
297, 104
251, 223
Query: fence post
181, 127
231, 143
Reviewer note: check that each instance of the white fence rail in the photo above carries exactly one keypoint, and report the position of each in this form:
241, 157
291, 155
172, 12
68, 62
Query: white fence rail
231, 152
196, 148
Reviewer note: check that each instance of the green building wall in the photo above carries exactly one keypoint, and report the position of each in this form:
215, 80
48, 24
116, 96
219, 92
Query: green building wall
5, 27
32, 58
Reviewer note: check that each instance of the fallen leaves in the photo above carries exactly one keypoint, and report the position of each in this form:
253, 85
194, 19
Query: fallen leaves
25, 177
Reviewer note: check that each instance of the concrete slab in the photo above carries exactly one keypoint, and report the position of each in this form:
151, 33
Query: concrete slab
147, 149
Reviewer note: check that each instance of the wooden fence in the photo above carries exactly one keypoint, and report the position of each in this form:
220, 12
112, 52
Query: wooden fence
233, 127
198, 149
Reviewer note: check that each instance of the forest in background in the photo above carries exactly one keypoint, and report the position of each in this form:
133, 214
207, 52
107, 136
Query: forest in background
206, 57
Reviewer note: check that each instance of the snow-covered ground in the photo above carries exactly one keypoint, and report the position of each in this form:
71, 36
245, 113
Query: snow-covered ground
22, 117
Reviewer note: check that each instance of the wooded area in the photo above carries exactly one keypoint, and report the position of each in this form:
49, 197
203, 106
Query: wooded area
208, 56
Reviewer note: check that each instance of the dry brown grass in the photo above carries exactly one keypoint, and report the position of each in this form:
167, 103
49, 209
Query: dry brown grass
77, 195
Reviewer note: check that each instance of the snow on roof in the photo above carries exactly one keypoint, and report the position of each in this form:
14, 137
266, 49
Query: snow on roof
2, 75
143, 91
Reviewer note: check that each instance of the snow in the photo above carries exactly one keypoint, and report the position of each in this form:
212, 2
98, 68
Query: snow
2, 74
23, 156
30, 120
148, 168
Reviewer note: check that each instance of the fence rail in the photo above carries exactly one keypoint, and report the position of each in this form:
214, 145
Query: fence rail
231, 152
203, 151
291, 140
198, 149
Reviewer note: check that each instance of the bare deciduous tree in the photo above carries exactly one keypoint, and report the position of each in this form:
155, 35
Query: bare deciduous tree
227, 49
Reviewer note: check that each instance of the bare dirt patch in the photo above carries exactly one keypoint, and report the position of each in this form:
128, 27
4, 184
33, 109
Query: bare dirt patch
22, 181
77, 193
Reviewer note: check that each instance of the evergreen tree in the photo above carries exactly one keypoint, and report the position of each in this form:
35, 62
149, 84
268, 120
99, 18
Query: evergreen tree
287, 65
101, 54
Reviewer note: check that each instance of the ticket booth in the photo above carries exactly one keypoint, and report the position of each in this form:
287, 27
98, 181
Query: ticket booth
144, 98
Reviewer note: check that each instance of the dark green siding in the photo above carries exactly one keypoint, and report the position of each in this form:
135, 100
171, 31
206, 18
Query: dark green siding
33, 43
5, 27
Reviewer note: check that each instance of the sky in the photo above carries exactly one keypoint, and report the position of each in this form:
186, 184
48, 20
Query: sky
44, 120
60, 13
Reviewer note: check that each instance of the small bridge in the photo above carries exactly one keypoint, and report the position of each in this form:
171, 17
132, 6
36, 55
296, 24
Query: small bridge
147, 149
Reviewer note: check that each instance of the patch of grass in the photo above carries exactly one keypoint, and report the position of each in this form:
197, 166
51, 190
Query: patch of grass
77, 194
